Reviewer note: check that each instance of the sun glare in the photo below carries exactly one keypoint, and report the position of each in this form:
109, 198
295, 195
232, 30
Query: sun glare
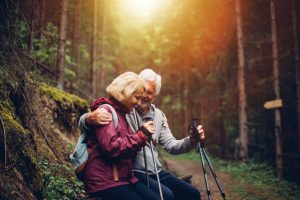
141, 8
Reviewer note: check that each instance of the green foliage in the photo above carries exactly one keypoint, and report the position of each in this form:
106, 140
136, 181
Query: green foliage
21, 33
60, 181
14, 28
46, 46
45, 50
261, 178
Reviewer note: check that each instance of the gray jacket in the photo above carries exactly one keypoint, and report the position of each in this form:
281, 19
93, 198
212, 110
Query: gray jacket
162, 136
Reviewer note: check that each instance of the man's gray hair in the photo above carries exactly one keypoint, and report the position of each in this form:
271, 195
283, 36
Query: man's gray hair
150, 75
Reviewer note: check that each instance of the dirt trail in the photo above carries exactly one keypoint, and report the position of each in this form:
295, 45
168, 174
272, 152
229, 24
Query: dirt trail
185, 167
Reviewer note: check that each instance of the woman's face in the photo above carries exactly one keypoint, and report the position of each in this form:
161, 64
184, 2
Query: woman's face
135, 99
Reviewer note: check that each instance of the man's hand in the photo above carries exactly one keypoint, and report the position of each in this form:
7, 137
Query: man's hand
193, 139
147, 129
100, 116
149, 125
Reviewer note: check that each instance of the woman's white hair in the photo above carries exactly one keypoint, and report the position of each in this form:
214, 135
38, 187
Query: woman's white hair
150, 75
125, 85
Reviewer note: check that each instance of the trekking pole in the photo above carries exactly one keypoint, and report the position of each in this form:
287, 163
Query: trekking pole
144, 150
214, 174
193, 130
204, 172
149, 117
203, 153
156, 172
146, 166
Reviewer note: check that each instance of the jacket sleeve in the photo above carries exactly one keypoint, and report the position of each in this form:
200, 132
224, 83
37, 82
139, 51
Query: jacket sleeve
82, 124
169, 142
113, 146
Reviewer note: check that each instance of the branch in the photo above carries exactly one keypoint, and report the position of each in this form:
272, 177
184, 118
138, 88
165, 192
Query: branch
82, 93
39, 64
4, 138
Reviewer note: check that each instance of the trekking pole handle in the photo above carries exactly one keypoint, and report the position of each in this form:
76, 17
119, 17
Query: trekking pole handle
194, 130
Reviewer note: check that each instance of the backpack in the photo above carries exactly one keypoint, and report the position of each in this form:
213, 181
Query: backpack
81, 153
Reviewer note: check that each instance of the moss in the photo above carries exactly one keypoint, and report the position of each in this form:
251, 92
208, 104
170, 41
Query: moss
12, 124
18, 136
21, 148
63, 97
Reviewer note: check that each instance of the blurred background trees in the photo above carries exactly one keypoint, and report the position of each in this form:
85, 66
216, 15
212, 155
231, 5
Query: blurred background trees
216, 59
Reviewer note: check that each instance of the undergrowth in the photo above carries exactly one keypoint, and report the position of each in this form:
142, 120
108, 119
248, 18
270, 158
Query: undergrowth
59, 182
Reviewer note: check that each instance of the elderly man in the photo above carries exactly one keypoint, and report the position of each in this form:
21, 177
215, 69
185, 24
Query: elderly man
172, 187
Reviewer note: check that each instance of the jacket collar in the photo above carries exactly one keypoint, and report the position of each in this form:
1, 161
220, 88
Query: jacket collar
111, 101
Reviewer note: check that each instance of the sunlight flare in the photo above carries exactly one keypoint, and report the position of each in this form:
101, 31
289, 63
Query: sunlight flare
141, 8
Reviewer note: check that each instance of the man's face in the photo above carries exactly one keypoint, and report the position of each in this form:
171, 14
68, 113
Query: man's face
150, 94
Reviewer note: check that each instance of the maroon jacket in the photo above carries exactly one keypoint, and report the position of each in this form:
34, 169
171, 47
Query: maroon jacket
110, 162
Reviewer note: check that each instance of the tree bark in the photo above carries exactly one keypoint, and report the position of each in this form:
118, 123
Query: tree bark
243, 121
297, 65
276, 89
42, 17
31, 35
101, 69
93, 51
61, 45
76, 37
185, 102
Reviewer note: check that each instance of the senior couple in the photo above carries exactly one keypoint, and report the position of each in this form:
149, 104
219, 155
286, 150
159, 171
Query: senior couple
115, 169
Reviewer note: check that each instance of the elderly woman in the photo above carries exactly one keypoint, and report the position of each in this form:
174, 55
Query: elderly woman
108, 170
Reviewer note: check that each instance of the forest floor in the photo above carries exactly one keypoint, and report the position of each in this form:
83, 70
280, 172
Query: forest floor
238, 181
187, 167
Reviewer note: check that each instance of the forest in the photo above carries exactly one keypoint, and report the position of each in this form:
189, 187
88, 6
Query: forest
233, 64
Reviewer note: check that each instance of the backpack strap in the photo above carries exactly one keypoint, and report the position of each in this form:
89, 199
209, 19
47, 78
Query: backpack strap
114, 114
115, 118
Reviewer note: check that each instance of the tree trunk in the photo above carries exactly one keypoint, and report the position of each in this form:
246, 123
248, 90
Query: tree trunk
93, 51
221, 118
101, 70
185, 102
276, 90
243, 123
61, 45
42, 17
31, 35
297, 65
75, 35
181, 97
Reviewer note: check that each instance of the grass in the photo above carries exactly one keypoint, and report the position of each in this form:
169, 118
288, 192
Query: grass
251, 180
